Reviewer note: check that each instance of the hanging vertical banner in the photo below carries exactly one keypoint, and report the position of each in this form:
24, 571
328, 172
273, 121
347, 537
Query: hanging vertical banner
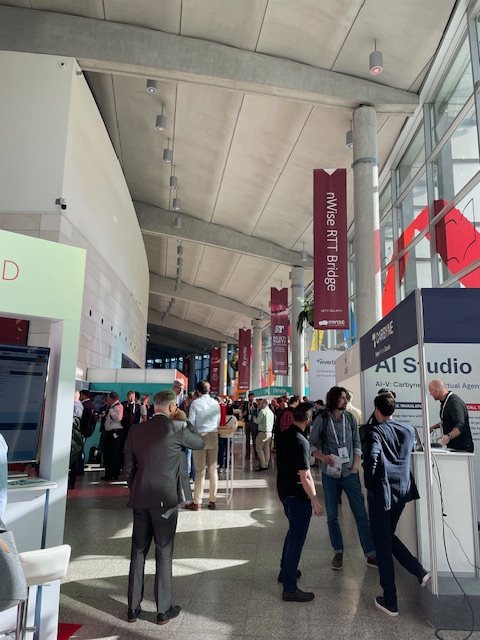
330, 263
215, 370
244, 341
279, 330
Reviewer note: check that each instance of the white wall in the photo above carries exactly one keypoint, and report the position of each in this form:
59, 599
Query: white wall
54, 144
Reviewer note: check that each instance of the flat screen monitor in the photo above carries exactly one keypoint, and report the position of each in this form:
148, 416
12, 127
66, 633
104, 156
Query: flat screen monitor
23, 376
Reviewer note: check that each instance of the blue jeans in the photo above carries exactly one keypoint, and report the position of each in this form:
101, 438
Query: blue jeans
298, 512
389, 546
332, 489
190, 465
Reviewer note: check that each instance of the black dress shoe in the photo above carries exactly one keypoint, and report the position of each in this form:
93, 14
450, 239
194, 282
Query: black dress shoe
280, 575
166, 616
132, 614
298, 596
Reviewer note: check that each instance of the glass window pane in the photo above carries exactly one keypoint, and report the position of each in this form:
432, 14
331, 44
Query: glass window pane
385, 201
412, 214
458, 238
351, 279
471, 281
388, 290
455, 88
458, 160
386, 241
412, 160
415, 268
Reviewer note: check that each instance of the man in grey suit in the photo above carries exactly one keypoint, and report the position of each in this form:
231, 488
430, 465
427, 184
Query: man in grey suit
155, 469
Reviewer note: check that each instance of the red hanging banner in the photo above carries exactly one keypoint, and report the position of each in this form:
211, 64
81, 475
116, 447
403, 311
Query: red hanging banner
244, 341
215, 370
330, 264
279, 330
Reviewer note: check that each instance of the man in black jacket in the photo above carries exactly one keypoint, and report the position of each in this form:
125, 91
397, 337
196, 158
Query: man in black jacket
390, 486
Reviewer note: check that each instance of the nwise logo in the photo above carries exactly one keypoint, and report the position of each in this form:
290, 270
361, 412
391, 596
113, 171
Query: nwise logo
385, 332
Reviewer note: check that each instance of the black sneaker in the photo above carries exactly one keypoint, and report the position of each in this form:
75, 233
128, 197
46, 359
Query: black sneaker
390, 611
423, 577
166, 616
280, 575
298, 596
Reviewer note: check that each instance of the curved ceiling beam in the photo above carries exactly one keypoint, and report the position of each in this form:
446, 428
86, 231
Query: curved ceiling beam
173, 322
160, 285
111, 47
160, 222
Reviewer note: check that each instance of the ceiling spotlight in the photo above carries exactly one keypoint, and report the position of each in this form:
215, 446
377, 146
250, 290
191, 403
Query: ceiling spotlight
303, 254
176, 207
180, 246
161, 123
178, 222
152, 86
168, 154
261, 312
173, 179
180, 261
179, 271
376, 62
349, 139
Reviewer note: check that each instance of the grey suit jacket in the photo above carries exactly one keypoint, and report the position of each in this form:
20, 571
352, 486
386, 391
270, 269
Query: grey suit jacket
154, 461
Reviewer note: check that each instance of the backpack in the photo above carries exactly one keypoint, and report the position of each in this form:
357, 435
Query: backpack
88, 421
286, 419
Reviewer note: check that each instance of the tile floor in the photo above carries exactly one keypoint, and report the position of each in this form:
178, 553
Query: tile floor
225, 573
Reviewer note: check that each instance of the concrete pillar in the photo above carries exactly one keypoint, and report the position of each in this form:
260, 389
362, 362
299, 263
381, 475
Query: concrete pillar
297, 342
191, 373
257, 355
368, 303
223, 368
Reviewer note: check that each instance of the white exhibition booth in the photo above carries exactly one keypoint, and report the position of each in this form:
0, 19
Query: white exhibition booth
44, 280
433, 333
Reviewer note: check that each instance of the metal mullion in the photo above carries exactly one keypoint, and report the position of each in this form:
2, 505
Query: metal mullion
430, 196
475, 62
396, 271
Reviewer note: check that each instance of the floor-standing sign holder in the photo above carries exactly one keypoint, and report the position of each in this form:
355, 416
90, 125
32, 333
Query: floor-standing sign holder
431, 334
41, 280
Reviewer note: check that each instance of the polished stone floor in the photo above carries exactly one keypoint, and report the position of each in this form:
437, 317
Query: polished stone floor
225, 570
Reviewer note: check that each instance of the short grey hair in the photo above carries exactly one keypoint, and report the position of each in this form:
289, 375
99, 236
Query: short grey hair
164, 398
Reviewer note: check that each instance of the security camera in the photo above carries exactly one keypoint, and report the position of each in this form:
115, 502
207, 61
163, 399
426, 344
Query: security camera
62, 202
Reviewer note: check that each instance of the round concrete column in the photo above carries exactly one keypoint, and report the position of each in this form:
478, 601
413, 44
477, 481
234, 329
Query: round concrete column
257, 355
223, 368
297, 342
368, 303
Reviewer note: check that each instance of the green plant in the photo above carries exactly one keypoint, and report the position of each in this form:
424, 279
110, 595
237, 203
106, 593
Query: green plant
305, 315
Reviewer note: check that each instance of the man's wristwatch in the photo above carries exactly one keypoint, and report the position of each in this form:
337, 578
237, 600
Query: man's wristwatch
449, 437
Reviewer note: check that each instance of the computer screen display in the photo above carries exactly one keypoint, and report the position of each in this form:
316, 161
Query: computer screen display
23, 376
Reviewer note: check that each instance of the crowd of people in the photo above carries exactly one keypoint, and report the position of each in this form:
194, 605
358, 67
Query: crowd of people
174, 441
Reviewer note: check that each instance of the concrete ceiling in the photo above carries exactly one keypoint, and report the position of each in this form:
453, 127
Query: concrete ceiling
257, 94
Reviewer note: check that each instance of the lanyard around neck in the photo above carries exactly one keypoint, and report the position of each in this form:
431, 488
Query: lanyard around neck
334, 431
442, 408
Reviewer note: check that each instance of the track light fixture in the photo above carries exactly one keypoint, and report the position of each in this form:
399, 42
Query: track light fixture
176, 205
376, 61
178, 220
349, 139
168, 153
152, 86
173, 179
180, 248
161, 122
303, 254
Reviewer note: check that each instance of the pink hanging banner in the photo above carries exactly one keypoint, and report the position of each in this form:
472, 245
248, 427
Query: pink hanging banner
330, 263
215, 370
279, 330
244, 341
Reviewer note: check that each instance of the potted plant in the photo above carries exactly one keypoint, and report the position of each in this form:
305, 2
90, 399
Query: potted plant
305, 315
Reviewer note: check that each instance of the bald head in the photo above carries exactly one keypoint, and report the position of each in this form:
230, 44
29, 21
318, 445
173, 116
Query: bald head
438, 389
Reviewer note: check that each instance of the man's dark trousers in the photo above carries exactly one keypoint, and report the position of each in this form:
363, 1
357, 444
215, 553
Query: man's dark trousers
387, 545
298, 512
160, 524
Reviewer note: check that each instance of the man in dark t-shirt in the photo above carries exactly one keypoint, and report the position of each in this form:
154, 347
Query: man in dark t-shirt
454, 420
297, 492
